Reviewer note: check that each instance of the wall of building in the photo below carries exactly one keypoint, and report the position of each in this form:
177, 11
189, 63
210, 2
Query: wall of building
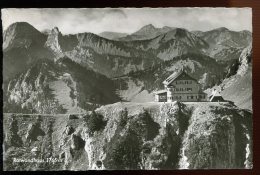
161, 97
185, 90
187, 97
185, 86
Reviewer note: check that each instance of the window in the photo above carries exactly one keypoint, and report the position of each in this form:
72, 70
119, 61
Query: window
191, 97
189, 89
180, 97
187, 97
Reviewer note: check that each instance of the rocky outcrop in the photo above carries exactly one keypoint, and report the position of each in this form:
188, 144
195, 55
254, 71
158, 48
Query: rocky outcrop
53, 42
237, 86
145, 136
245, 60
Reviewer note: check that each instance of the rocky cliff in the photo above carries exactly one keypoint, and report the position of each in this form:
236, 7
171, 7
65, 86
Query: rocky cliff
132, 136
237, 86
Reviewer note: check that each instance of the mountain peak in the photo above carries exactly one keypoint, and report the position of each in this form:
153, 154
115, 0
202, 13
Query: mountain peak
222, 29
19, 30
149, 26
21, 26
24, 24
55, 30
167, 27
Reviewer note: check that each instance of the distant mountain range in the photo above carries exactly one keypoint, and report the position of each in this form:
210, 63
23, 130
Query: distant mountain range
146, 32
143, 59
112, 35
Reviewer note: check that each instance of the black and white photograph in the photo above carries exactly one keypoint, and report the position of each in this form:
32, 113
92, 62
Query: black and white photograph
127, 88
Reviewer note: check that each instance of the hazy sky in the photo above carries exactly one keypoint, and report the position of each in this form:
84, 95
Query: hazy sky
129, 20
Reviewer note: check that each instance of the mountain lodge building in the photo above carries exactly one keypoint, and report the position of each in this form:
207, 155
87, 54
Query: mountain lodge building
180, 87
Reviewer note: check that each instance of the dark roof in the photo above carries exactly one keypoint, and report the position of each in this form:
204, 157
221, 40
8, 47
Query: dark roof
174, 76
160, 91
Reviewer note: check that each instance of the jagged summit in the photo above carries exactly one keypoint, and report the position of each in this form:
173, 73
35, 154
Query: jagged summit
56, 30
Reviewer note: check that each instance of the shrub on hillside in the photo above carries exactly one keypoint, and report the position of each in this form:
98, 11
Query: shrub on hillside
95, 122
145, 126
123, 118
124, 152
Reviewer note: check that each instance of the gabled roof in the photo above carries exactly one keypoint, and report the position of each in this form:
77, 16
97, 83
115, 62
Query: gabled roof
174, 76
215, 94
160, 91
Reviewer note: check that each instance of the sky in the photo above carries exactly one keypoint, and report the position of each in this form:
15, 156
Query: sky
129, 20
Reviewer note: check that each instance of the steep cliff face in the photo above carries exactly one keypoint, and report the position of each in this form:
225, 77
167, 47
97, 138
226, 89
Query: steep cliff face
237, 86
133, 136
53, 42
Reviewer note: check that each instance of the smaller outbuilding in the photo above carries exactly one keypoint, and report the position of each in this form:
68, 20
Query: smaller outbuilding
161, 96
216, 97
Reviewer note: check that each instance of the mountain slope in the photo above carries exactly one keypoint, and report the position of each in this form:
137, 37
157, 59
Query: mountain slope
139, 65
61, 87
238, 87
203, 68
22, 46
172, 43
108, 57
224, 43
